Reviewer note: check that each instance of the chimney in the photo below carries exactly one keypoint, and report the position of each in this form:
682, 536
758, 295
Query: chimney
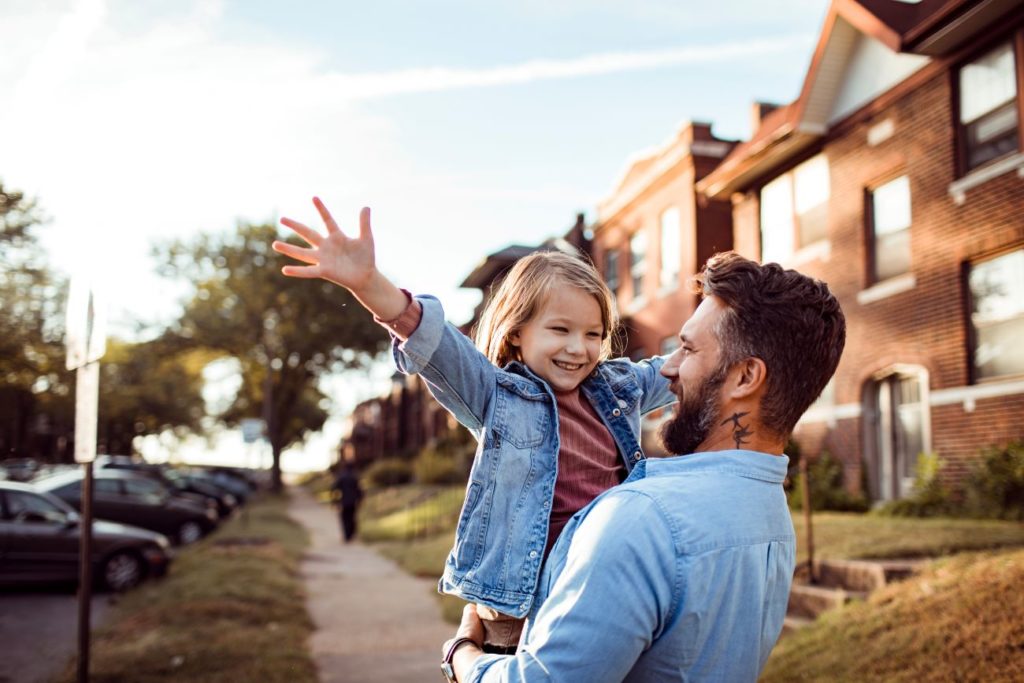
758, 112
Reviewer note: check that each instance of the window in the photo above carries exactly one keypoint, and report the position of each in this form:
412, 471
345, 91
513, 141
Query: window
670, 248
997, 315
794, 209
988, 107
889, 229
669, 345
897, 415
24, 506
611, 270
637, 256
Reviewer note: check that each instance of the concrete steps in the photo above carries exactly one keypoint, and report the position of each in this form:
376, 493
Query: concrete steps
837, 582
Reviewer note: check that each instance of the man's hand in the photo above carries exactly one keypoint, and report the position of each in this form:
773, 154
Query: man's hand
343, 260
471, 627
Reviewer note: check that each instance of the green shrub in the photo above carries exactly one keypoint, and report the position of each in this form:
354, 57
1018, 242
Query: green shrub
825, 475
929, 496
436, 467
995, 485
388, 472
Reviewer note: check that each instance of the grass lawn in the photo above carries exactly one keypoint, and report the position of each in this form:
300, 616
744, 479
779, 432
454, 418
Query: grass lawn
853, 536
961, 619
228, 611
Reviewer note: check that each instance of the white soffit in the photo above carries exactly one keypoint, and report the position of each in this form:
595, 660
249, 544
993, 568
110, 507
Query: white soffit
872, 69
828, 76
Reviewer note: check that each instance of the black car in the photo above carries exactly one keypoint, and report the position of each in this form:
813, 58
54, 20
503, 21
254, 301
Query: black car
39, 542
128, 498
174, 483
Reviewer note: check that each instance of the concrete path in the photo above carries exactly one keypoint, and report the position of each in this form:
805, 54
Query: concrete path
374, 622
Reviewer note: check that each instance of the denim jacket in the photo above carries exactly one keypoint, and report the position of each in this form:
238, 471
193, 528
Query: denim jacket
512, 413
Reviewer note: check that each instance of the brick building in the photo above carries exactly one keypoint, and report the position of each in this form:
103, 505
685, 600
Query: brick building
652, 233
897, 176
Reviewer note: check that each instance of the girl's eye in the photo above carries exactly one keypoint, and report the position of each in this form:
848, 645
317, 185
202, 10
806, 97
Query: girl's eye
595, 335
560, 329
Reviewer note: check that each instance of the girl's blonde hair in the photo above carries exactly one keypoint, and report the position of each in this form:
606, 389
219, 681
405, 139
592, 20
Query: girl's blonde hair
525, 290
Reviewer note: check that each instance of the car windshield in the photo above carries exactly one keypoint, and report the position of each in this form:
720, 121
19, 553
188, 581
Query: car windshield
23, 505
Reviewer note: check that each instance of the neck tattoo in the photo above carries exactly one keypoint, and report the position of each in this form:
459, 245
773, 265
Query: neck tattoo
740, 433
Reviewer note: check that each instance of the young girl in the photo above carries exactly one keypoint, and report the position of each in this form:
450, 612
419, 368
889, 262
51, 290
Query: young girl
556, 421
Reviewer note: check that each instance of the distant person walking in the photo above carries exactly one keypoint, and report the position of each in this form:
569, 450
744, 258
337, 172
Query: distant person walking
350, 494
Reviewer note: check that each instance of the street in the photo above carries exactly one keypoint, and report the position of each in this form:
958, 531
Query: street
39, 631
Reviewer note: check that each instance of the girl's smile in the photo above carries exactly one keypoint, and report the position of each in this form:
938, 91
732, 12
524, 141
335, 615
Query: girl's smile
562, 342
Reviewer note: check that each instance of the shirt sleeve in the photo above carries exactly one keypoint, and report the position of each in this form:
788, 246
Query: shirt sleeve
613, 588
655, 386
406, 323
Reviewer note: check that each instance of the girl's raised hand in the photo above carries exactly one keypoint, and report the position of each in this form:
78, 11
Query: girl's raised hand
343, 260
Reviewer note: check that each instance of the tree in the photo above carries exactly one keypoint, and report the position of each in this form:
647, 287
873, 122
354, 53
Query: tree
146, 388
35, 388
284, 334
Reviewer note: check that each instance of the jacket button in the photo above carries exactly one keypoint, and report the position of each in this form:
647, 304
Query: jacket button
622, 404
636, 456
533, 554
616, 412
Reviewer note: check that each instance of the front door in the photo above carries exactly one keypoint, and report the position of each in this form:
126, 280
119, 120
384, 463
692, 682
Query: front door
897, 425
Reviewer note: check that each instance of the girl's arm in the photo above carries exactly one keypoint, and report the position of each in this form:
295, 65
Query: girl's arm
459, 376
346, 261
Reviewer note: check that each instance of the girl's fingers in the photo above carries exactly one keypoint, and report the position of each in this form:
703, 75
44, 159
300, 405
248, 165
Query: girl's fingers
312, 237
364, 224
301, 271
326, 216
296, 252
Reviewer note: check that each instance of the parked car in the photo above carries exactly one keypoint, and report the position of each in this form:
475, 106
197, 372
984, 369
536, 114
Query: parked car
240, 488
40, 536
128, 498
20, 469
224, 503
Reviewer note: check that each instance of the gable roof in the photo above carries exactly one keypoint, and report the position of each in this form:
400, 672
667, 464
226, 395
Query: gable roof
926, 27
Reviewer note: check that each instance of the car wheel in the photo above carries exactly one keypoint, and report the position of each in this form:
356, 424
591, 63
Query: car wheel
189, 532
122, 571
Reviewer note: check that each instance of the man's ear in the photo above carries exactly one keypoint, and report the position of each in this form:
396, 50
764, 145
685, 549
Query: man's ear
749, 377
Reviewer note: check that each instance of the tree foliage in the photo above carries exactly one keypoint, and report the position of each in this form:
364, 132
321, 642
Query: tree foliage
145, 387
284, 333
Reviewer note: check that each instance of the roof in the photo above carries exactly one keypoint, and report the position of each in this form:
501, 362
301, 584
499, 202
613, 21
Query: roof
494, 264
927, 27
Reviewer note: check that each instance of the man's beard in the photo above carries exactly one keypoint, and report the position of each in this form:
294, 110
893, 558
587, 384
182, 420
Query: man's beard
696, 415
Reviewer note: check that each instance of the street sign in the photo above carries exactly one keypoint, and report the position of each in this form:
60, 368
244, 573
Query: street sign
86, 324
87, 399
252, 429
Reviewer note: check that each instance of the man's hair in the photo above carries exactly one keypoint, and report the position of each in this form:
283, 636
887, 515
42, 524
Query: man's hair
524, 292
790, 321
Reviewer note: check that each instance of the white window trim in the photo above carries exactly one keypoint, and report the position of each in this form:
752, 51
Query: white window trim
981, 175
886, 288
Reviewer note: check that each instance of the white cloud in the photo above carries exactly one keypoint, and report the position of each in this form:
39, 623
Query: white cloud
366, 86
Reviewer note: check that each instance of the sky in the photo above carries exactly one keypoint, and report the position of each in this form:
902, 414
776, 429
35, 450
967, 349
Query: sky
465, 125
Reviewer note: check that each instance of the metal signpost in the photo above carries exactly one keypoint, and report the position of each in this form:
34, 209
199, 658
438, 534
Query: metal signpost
86, 343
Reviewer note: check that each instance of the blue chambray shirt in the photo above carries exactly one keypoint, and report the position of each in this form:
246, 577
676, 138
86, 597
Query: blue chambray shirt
681, 573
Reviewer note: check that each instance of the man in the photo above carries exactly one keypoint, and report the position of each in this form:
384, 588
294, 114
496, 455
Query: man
346, 484
683, 571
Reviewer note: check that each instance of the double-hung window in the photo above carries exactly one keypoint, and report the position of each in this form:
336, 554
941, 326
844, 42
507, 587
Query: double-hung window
997, 315
638, 262
988, 125
671, 248
889, 229
794, 210
611, 270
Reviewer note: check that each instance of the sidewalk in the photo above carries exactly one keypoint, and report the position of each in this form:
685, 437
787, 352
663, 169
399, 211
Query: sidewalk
373, 621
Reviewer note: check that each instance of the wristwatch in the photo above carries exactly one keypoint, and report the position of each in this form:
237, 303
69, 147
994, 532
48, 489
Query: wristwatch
446, 666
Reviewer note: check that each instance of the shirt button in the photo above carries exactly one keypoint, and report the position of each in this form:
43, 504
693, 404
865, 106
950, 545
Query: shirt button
533, 554
616, 412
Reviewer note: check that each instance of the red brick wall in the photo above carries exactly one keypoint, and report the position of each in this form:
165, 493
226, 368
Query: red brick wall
927, 325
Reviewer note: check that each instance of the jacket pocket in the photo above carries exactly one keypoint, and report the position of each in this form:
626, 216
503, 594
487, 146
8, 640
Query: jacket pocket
522, 413
466, 548
627, 394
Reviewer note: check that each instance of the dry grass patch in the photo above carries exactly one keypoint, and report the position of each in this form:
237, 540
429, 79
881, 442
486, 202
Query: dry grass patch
231, 609
856, 536
959, 620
